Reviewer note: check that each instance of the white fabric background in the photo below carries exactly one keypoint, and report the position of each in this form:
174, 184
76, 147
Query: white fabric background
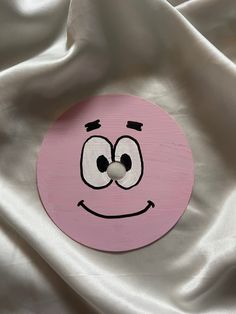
178, 54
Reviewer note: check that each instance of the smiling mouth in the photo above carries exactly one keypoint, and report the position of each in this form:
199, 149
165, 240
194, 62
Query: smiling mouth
149, 205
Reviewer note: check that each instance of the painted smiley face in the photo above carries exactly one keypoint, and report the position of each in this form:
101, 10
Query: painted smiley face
115, 172
102, 163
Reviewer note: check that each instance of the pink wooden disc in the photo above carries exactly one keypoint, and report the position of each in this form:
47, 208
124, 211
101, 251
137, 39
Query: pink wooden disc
108, 206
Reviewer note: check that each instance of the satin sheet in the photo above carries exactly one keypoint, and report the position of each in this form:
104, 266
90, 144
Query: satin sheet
178, 54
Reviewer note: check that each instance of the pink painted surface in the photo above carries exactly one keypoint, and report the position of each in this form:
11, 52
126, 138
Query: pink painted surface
167, 178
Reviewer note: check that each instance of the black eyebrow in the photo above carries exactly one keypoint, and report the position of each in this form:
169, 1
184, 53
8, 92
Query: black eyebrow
134, 125
92, 125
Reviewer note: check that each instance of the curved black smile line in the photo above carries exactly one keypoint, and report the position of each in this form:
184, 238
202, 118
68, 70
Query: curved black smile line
149, 204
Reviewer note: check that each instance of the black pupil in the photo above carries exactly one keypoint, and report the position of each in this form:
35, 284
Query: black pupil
126, 161
102, 163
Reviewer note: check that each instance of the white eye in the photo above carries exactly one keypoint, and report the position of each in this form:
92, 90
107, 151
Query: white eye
95, 158
127, 151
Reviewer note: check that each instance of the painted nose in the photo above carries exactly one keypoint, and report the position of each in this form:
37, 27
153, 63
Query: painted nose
116, 170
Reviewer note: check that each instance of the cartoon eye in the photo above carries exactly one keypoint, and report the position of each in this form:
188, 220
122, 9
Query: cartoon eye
128, 152
95, 159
